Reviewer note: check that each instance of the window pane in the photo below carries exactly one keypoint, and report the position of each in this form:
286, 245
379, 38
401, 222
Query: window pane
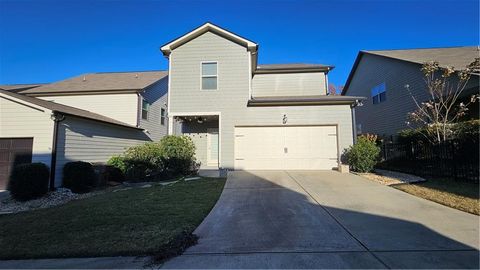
144, 114
145, 105
209, 83
383, 96
381, 88
209, 69
162, 116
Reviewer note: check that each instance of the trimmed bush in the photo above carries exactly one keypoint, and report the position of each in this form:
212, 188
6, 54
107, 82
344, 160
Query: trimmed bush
139, 162
79, 176
178, 155
29, 181
363, 155
172, 156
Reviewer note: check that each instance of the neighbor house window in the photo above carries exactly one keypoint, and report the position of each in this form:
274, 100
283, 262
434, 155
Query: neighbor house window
209, 76
145, 109
379, 93
162, 116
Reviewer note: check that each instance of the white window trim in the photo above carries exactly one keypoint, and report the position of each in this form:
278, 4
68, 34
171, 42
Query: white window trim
208, 76
164, 117
148, 111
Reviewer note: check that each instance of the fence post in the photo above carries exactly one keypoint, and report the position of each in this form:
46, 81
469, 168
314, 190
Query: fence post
455, 176
384, 148
412, 154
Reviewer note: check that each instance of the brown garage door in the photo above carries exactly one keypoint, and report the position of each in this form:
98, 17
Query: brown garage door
13, 151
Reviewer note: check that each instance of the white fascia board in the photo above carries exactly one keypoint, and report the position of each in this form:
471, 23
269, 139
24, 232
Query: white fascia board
167, 48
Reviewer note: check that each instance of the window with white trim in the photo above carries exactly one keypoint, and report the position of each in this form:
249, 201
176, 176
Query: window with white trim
379, 93
145, 109
162, 116
209, 76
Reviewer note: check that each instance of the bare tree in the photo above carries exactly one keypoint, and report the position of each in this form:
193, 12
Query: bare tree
443, 109
333, 90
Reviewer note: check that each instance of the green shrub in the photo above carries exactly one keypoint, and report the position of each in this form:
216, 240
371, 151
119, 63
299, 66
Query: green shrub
468, 131
118, 162
29, 181
172, 156
139, 162
79, 176
178, 155
363, 155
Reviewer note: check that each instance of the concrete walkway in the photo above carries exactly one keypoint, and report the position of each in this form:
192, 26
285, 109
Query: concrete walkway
278, 219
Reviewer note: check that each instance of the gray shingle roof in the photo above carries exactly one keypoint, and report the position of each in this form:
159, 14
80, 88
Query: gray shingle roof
291, 67
295, 100
19, 87
288, 66
56, 107
457, 57
102, 81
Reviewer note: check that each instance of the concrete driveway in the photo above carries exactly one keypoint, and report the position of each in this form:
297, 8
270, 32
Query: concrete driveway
292, 219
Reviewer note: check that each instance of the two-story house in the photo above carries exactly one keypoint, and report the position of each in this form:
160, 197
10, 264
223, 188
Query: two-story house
382, 76
246, 116
89, 118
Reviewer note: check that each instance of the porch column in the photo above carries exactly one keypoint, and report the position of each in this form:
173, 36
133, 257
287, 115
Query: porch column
170, 125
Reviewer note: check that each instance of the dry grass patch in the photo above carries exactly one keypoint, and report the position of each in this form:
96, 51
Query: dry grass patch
460, 195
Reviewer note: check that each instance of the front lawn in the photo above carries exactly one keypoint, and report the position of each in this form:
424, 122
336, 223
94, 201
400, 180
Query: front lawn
456, 194
138, 221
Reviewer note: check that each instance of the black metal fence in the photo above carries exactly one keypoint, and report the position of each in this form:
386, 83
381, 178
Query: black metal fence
454, 159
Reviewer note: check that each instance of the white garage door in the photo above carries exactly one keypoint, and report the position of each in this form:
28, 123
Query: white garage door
286, 148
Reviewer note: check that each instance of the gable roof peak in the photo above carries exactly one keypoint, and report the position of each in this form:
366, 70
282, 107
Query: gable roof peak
208, 27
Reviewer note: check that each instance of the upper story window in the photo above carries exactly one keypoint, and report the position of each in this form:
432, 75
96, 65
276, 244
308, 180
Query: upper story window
379, 93
162, 116
209, 76
145, 109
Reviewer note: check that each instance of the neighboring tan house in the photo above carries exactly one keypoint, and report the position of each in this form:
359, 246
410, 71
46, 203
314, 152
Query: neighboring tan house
86, 118
382, 76
246, 116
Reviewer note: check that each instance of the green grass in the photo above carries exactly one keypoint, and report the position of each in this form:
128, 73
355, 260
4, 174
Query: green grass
133, 222
461, 195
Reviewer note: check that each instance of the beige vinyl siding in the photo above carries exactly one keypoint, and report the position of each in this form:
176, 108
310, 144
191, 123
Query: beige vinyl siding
91, 141
389, 117
20, 121
157, 96
289, 84
232, 95
121, 107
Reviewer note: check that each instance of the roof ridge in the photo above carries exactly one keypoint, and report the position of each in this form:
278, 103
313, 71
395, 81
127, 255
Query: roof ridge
103, 72
425, 48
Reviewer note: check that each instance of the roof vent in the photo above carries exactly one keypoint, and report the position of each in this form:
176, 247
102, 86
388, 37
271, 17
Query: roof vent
136, 76
84, 78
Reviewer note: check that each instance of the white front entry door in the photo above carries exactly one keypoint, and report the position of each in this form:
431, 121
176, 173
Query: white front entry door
212, 147
286, 148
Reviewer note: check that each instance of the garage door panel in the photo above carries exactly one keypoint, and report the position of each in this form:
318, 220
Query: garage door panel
257, 148
13, 151
286, 148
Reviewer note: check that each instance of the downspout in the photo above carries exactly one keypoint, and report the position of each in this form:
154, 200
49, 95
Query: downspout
354, 126
354, 121
326, 82
57, 118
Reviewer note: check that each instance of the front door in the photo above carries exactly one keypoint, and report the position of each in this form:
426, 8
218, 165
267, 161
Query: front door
212, 147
